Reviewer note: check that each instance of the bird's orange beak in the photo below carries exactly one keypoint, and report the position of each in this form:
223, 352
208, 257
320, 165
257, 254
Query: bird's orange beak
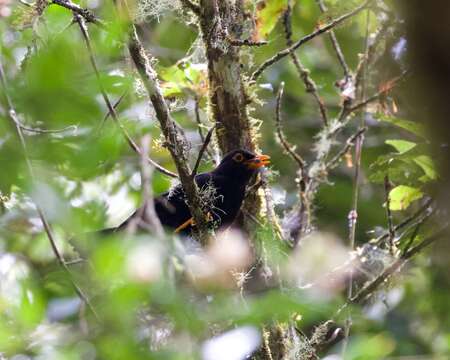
258, 161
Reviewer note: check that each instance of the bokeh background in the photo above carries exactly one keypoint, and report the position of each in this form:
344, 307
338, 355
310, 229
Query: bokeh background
87, 179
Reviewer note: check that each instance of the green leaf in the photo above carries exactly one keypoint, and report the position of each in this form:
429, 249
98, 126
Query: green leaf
411, 126
57, 87
427, 165
402, 146
267, 16
402, 196
399, 168
180, 77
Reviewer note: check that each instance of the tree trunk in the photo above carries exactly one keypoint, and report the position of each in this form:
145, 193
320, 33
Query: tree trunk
222, 20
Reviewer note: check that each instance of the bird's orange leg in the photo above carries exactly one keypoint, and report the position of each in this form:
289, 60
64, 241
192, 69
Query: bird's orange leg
191, 222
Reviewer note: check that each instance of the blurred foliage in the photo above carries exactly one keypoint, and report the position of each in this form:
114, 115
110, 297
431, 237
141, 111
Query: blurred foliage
152, 298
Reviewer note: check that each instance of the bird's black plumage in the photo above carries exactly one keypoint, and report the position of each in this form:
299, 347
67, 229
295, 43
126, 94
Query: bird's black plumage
222, 189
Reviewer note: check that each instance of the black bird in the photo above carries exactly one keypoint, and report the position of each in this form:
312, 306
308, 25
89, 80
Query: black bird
222, 189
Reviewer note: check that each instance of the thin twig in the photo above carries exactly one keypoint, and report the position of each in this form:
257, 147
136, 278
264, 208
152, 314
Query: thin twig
405, 222
391, 229
372, 286
367, 59
108, 114
335, 43
304, 74
252, 189
111, 110
48, 131
348, 145
202, 151
353, 215
200, 129
48, 230
392, 83
270, 204
149, 219
247, 42
283, 53
23, 2
198, 120
302, 178
281, 137
412, 237
77, 9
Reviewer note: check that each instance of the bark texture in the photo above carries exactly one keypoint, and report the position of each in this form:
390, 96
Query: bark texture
220, 21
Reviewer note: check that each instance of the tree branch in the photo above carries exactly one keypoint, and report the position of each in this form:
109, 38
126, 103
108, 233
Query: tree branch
283, 53
199, 128
302, 178
175, 143
335, 43
304, 74
372, 286
348, 145
279, 131
392, 83
111, 108
246, 42
202, 151
77, 9
406, 222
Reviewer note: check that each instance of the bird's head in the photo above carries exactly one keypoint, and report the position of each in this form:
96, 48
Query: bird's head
242, 164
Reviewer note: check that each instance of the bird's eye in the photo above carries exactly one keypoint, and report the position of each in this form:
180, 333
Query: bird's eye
238, 157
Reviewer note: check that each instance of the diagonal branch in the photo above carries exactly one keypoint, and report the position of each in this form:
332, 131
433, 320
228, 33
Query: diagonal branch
303, 72
283, 53
335, 43
202, 151
246, 42
394, 267
175, 143
348, 145
112, 108
422, 213
199, 128
77, 9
